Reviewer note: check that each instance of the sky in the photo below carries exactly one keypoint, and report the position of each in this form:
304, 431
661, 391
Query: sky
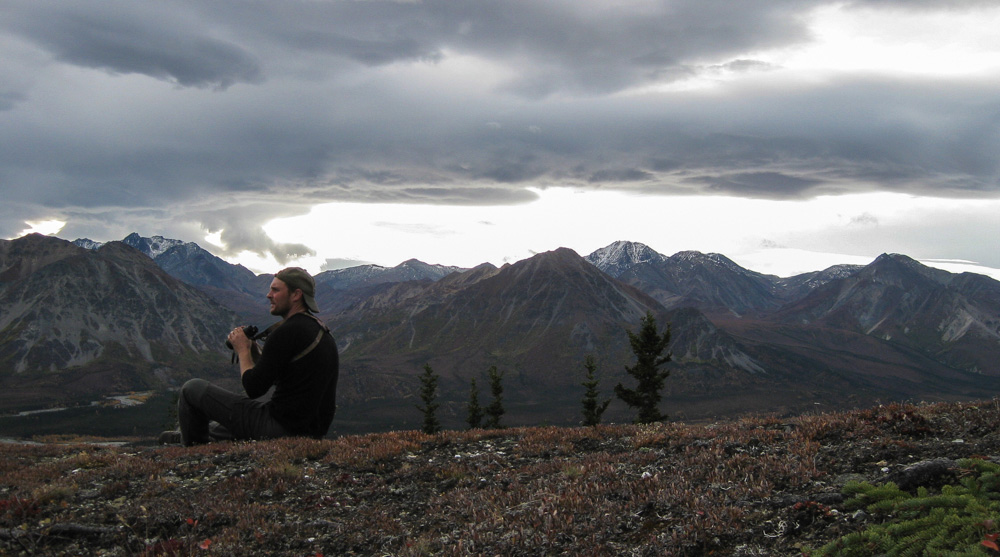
788, 135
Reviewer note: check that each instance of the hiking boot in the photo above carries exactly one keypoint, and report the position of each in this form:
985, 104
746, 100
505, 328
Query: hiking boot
170, 438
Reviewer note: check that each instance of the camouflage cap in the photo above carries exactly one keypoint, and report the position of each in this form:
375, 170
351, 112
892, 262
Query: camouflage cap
298, 278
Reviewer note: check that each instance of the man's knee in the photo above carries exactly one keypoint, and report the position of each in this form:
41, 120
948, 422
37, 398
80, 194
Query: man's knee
193, 389
193, 384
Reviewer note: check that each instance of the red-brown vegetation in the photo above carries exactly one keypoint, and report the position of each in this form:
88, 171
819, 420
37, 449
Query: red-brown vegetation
757, 486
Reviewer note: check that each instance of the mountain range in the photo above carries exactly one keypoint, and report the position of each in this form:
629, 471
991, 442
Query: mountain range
741, 341
77, 323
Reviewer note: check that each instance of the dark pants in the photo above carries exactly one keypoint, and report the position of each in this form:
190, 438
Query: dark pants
235, 416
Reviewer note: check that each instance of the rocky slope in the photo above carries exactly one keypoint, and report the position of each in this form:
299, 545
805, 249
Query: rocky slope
76, 322
710, 282
535, 319
953, 320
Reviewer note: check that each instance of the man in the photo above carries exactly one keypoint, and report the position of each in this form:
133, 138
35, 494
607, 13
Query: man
299, 359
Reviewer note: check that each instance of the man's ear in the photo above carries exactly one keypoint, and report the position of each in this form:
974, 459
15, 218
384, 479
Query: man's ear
296, 296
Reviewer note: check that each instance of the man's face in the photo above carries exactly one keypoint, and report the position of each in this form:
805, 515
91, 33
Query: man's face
280, 298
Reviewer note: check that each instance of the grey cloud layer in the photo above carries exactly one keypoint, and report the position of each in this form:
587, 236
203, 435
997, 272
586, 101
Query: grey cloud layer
136, 105
129, 37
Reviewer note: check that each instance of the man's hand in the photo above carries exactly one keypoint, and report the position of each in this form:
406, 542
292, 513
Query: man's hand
241, 345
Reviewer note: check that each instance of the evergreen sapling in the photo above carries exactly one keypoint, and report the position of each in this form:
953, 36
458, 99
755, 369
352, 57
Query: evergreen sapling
428, 395
474, 411
495, 410
648, 346
592, 410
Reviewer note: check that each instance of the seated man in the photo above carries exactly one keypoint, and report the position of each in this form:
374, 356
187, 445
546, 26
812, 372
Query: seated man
299, 359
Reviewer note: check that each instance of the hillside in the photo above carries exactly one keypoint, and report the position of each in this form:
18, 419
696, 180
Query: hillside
893, 330
535, 319
757, 486
76, 324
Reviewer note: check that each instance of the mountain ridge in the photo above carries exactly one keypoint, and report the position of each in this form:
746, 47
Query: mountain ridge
108, 314
690, 278
742, 341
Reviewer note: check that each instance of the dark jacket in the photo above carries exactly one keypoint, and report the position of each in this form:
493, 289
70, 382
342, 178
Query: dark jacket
305, 393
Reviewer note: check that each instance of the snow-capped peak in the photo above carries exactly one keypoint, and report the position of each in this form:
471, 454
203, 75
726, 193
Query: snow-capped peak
621, 255
152, 246
87, 243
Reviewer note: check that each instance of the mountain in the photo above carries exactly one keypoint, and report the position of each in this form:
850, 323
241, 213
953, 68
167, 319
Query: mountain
338, 289
798, 286
195, 266
953, 319
22, 257
188, 262
87, 243
234, 286
711, 282
536, 320
619, 257
75, 322
512, 310
242, 291
368, 275
893, 329
741, 341
153, 247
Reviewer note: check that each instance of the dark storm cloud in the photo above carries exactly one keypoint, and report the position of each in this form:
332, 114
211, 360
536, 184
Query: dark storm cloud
468, 196
757, 184
906, 136
620, 175
594, 47
128, 37
213, 107
9, 99
918, 5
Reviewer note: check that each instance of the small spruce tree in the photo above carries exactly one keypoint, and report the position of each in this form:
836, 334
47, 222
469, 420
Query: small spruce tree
592, 410
648, 346
428, 394
475, 412
495, 410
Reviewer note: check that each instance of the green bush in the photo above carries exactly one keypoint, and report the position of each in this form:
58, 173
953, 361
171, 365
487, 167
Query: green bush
961, 520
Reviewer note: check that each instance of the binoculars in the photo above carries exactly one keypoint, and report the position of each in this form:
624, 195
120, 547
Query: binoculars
249, 330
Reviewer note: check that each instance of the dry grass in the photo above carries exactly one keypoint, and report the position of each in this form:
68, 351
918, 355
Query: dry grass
748, 487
